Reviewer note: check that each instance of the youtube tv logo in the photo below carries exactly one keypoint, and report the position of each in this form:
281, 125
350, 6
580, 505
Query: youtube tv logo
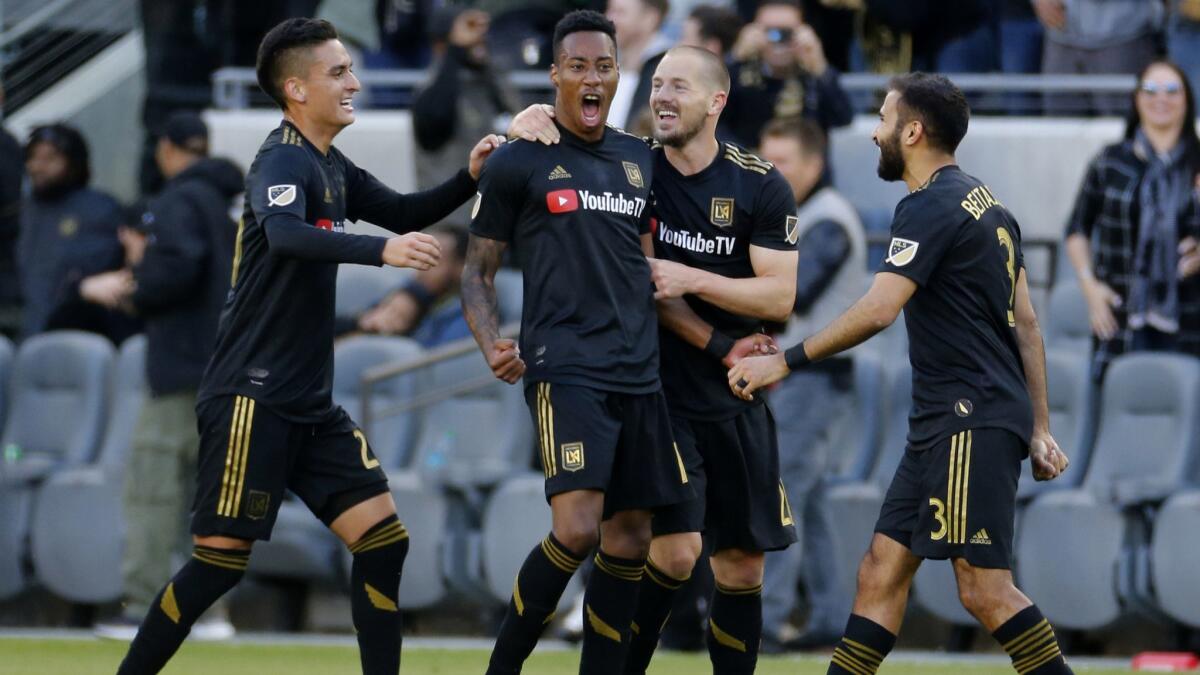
562, 201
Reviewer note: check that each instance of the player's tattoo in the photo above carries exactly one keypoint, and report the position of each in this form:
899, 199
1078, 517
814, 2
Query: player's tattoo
479, 289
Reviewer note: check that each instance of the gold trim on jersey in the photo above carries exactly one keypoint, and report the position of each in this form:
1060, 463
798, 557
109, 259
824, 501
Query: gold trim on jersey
291, 137
234, 478
957, 486
237, 251
747, 161
545, 414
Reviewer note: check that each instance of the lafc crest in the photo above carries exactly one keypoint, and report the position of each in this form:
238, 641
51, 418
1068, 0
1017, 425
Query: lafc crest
572, 456
720, 213
901, 251
633, 173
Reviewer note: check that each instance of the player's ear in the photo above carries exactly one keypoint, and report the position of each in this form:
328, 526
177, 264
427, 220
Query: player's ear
294, 89
717, 103
914, 132
554, 74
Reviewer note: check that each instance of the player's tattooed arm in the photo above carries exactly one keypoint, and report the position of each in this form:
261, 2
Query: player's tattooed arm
482, 312
1047, 458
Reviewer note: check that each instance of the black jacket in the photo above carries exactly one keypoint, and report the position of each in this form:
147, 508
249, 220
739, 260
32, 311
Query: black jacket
184, 276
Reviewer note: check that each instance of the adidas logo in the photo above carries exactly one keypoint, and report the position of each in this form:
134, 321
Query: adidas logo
981, 537
559, 173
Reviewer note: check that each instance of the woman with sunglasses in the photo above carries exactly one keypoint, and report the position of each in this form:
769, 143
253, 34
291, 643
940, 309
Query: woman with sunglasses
1132, 236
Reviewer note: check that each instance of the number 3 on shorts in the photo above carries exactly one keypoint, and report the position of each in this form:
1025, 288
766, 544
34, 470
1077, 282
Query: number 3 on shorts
939, 514
372, 463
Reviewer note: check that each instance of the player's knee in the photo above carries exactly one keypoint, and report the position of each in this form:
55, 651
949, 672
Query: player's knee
979, 591
738, 569
578, 535
873, 578
676, 555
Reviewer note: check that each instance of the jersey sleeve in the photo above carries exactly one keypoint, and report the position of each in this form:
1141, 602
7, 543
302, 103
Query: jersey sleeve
277, 184
921, 237
501, 195
367, 198
775, 225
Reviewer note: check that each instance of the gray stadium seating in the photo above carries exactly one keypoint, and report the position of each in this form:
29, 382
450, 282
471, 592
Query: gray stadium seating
1072, 399
78, 524
361, 286
1175, 556
6, 363
1065, 323
1073, 550
516, 519
855, 505
59, 388
510, 294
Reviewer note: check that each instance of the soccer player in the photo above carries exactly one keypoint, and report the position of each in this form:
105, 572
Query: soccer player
725, 240
575, 216
266, 416
979, 387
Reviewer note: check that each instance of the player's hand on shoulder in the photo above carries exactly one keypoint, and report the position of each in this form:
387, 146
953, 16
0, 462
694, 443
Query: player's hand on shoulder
417, 250
504, 358
671, 279
535, 124
755, 344
755, 372
1049, 461
485, 147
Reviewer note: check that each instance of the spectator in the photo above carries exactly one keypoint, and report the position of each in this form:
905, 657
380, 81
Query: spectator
1183, 38
1095, 37
427, 307
947, 36
463, 101
1020, 36
780, 71
68, 232
403, 41
12, 174
180, 260
711, 27
640, 46
1132, 236
830, 277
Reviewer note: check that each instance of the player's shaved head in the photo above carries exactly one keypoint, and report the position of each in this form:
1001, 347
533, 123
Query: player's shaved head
711, 71
286, 51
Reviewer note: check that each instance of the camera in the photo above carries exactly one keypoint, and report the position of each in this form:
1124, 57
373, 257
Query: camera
779, 36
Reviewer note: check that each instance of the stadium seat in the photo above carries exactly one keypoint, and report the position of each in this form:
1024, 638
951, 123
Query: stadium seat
359, 287
1074, 550
510, 294
516, 519
6, 364
1175, 556
1072, 399
59, 388
1066, 322
855, 505
301, 547
78, 523
391, 437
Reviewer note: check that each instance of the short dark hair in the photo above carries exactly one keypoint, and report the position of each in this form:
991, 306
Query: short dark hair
662, 6
937, 103
68, 142
794, 4
717, 23
582, 21
808, 134
276, 52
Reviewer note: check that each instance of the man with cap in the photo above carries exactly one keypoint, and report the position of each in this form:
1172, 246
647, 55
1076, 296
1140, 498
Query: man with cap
179, 254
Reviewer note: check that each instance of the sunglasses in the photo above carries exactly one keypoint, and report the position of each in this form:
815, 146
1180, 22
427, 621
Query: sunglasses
1152, 88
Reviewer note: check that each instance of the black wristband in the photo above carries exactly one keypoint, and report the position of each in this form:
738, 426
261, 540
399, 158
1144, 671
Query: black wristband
795, 357
719, 345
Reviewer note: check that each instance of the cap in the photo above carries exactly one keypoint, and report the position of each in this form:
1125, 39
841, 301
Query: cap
187, 130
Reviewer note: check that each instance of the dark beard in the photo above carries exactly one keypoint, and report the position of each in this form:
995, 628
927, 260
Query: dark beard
891, 162
681, 136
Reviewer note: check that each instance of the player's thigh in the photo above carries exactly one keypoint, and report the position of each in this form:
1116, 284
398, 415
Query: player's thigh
673, 520
246, 451
748, 507
335, 472
970, 484
576, 436
648, 471
904, 500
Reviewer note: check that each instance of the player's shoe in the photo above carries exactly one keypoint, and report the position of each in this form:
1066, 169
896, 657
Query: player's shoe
120, 628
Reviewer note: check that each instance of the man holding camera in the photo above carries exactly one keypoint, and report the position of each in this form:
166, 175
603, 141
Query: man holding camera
780, 71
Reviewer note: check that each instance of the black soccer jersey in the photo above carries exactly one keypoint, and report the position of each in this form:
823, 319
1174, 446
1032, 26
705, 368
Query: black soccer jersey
275, 339
962, 247
573, 214
709, 220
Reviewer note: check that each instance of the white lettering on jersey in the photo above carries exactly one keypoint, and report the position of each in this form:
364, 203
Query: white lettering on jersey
696, 243
607, 201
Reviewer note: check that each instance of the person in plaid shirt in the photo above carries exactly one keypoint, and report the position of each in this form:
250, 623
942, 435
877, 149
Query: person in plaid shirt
1134, 234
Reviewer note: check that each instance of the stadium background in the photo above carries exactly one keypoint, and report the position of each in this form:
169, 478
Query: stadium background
1109, 551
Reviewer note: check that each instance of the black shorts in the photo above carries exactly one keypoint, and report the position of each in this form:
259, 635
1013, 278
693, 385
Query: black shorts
740, 500
620, 444
249, 456
957, 499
